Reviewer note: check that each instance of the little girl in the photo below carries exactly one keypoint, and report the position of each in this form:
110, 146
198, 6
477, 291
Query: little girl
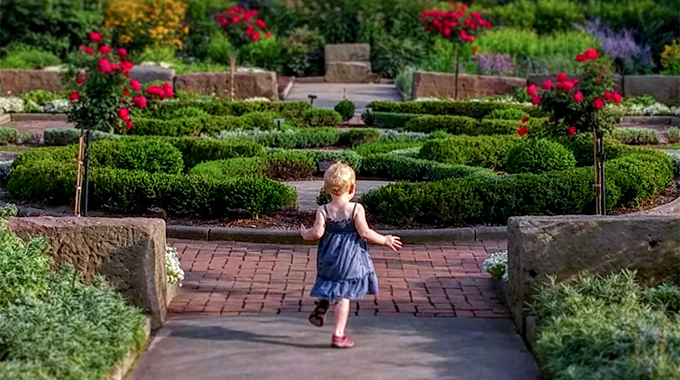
344, 271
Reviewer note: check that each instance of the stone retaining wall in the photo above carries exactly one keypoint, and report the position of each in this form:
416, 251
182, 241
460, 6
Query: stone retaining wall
128, 252
442, 85
567, 246
348, 63
21, 81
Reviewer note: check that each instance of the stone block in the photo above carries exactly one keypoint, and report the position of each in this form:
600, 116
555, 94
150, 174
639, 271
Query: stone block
663, 88
442, 85
568, 246
348, 72
128, 252
145, 74
246, 84
22, 81
347, 53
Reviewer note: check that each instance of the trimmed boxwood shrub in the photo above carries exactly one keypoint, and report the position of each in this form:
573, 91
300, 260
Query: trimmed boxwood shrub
290, 165
346, 109
456, 125
675, 161
196, 150
299, 138
507, 114
147, 155
350, 158
321, 117
497, 127
231, 168
475, 110
68, 136
537, 156
8, 135
263, 121
358, 136
636, 136
639, 175
211, 125
402, 168
385, 147
167, 110
388, 119
485, 151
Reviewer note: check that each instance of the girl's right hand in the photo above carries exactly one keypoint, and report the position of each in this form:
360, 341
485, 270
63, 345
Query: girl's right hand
393, 242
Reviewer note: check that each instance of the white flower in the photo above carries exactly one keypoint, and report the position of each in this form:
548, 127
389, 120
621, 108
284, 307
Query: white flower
258, 99
57, 106
12, 104
173, 268
497, 264
677, 111
396, 135
657, 109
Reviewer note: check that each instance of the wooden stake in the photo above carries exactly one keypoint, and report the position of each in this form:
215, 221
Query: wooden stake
79, 178
598, 174
233, 73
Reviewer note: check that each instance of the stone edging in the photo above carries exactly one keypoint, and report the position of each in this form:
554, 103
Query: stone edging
284, 93
125, 366
5, 118
39, 117
293, 237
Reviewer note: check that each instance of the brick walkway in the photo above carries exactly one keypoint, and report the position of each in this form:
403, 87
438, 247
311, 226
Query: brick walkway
229, 279
37, 126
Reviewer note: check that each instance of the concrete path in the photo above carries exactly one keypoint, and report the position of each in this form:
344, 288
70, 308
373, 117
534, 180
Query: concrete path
329, 94
309, 190
387, 348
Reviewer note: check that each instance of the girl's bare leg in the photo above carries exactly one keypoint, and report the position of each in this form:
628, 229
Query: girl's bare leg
341, 315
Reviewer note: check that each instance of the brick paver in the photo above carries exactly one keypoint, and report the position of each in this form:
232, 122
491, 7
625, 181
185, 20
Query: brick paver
231, 278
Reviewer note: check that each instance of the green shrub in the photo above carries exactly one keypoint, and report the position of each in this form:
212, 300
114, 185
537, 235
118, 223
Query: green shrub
557, 15
290, 165
41, 96
147, 155
261, 120
346, 109
8, 135
18, 56
358, 136
385, 147
197, 150
400, 168
388, 119
636, 136
323, 198
672, 134
68, 136
455, 125
639, 175
321, 117
507, 114
537, 156
607, 328
194, 126
350, 158
500, 127
304, 48
232, 168
675, 161
475, 110
485, 151
292, 111
290, 138
187, 113
267, 54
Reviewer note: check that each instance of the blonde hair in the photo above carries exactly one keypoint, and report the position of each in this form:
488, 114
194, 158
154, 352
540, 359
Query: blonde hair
339, 179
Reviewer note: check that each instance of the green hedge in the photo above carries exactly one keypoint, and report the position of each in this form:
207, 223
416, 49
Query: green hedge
463, 125
262, 120
299, 138
231, 168
211, 125
475, 110
68, 136
321, 117
537, 156
395, 167
388, 119
8, 135
148, 155
485, 151
358, 136
385, 147
636, 136
167, 110
639, 175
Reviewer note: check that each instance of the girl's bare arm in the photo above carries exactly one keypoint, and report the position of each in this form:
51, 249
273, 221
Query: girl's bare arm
393, 242
317, 230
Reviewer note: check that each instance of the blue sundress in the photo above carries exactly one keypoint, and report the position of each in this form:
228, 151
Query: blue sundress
344, 266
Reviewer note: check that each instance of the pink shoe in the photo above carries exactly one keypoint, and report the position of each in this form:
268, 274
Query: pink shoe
342, 342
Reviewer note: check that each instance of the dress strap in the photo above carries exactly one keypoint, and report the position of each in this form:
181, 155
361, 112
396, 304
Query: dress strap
354, 211
325, 209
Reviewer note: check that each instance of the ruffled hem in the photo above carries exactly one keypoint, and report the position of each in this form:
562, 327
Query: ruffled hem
345, 289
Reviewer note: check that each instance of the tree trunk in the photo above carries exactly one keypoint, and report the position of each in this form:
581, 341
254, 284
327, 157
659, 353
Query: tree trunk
455, 68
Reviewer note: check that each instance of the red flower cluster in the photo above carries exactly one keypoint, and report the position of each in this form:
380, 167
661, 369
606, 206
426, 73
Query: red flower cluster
161, 92
242, 18
589, 54
454, 23
523, 130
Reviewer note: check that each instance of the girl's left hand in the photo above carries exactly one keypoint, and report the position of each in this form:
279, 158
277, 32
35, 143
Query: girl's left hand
303, 230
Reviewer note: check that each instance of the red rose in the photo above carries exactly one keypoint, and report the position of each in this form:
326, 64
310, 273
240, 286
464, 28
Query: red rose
135, 85
80, 80
167, 88
591, 53
256, 36
523, 131
126, 92
566, 86
617, 97
581, 58
123, 113
88, 50
463, 35
547, 85
261, 24
140, 101
562, 77
598, 103
236, 19
269, 35
475, 48
129, 125
95, 37
609, 95
572, 131
578, 97
535, 100
532, 89
74, 96
122, 52
447, 32
525, 119
105, 49
104, 65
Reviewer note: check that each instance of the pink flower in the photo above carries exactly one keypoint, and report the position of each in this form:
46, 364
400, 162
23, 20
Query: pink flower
95, 37
571, 131
122, 52
591, 53
135, 85
124, 114
535, 100
88, 50
523, 131
140, 101
562, 77
105, 49
598, 103
547, 85
532, 89
104, 65
617, 97
74, 96
578, 96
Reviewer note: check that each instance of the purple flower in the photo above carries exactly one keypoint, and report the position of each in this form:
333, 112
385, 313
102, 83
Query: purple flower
621, 47
490, 63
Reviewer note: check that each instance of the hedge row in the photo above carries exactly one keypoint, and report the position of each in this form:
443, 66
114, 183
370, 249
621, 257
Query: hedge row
484, 151
68, 136
168, 110
493, 199
462, 125
475, 110
401, 168
388, 119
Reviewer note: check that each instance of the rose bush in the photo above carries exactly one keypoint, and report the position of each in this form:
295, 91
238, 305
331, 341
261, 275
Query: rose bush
243, 26
456, 24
